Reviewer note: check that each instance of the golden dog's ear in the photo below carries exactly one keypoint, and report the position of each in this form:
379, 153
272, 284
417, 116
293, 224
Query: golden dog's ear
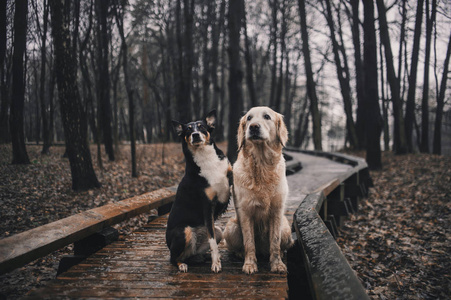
282, 131
241, 137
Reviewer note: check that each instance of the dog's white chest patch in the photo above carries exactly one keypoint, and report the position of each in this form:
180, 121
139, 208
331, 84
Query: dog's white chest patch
213, 170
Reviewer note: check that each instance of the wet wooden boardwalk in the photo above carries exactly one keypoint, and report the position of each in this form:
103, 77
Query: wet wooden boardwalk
137, 265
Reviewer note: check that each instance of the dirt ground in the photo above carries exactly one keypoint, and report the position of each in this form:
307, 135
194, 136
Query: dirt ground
398, 243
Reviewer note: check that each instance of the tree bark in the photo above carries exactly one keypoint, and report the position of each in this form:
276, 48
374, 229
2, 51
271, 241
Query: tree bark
45, 120
400, 137
283, 32
402, 40
220, 128
16, 119
359, 75
206, 53
72, 112
311, 89
215, 37
273, 41
235, 75
4, 101
103, 78
185, 58
249, 63
129, 89
430, 19
410, 104
302, 127
437, 145
372, 110
386, 129
345, 86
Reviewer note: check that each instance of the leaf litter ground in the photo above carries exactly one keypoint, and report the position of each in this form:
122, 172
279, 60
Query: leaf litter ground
398, 243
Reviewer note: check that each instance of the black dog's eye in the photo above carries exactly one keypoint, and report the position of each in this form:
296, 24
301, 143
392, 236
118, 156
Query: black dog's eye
249, 118
267, 117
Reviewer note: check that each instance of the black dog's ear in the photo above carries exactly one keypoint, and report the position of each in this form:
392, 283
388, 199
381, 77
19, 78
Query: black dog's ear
210, 119
178, 127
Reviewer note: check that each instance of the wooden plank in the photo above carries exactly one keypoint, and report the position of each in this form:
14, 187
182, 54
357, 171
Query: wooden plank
164, 292
138, 266
24, 247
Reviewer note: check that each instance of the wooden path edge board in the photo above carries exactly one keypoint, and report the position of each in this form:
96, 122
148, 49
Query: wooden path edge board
329, 274
22, 248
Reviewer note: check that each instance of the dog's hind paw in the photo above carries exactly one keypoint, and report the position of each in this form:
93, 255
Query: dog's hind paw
216, 266
183, 267
278, 267
250, 267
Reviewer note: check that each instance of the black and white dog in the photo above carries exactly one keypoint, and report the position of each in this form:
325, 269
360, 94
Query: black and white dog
202, 195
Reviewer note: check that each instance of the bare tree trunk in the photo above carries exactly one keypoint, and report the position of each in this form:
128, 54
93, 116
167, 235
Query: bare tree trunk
359, 75
410, 104
185, 58
51, 93
344, 81
373, 114
104, 77
44, 117
273, 41
37, 119
20, 155
206, 76
167, 50
220, 128
235, 16
400, 137
215, 37
72, 111
128, 87
249, 63
385, 104
311, 89
437, 145
302, 127
4, 101
430, 19
283, 33
290, 92
402, 41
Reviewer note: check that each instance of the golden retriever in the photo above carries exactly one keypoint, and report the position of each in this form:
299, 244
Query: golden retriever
260, 190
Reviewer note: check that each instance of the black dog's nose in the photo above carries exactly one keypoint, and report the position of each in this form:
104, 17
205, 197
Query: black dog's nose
196, 136
254, 128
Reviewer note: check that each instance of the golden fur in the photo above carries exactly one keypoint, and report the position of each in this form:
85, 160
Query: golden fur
260, 191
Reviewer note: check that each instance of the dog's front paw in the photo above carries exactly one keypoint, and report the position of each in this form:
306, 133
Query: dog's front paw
216, 266
183, 267
250, 267
278, 267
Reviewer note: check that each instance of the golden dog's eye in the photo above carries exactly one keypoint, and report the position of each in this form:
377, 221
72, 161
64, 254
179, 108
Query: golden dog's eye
249, 118
267, 117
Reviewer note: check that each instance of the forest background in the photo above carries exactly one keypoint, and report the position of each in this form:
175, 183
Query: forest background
345, 74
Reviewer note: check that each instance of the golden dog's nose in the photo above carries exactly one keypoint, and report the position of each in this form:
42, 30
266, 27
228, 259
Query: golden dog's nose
254, 127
